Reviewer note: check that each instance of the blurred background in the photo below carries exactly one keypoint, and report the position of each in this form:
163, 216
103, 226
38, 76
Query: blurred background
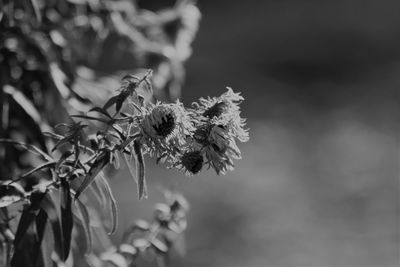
318, 184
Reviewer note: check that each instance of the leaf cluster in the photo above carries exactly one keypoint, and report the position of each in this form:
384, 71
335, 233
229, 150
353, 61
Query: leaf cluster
76, 163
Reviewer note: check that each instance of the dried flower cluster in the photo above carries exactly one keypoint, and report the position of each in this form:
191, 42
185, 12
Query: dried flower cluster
188, 139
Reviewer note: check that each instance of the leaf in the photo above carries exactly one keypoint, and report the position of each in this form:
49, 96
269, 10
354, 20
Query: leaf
89, 118
116, 160
59, 137
51, 210
101, 111
130, 77
53, 135
97, 166
119, 103
20, 255
140, 170
85, 219
105, 187
98, 192
43, 166
131, 163
28, 215
66, 216
41, 221
110, 102
63, 141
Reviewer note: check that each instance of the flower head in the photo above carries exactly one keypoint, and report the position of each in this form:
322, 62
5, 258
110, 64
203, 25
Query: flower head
160, 122
224, 110
221, 149
218, 127
191, 161
224, 105
164, 128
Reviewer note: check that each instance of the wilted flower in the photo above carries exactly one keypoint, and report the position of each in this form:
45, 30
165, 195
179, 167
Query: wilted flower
190, 138
227, 103
160, 122
221, 148
218, 126
225, 111
164, 128
191, 162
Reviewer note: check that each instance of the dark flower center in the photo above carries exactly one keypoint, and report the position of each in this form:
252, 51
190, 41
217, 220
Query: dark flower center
192, 161
166, 126
216, 110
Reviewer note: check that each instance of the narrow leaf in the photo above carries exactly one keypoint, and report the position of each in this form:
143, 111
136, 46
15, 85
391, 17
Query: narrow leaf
119, 103
131, 163
63, 141
98, 193
28, 215
110, 102
111, 203
130, 77
53, 135
43, 166
97, 166
51, 211
66, 216
140, 170
101, 111
85, 219
41, 221
89, 118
